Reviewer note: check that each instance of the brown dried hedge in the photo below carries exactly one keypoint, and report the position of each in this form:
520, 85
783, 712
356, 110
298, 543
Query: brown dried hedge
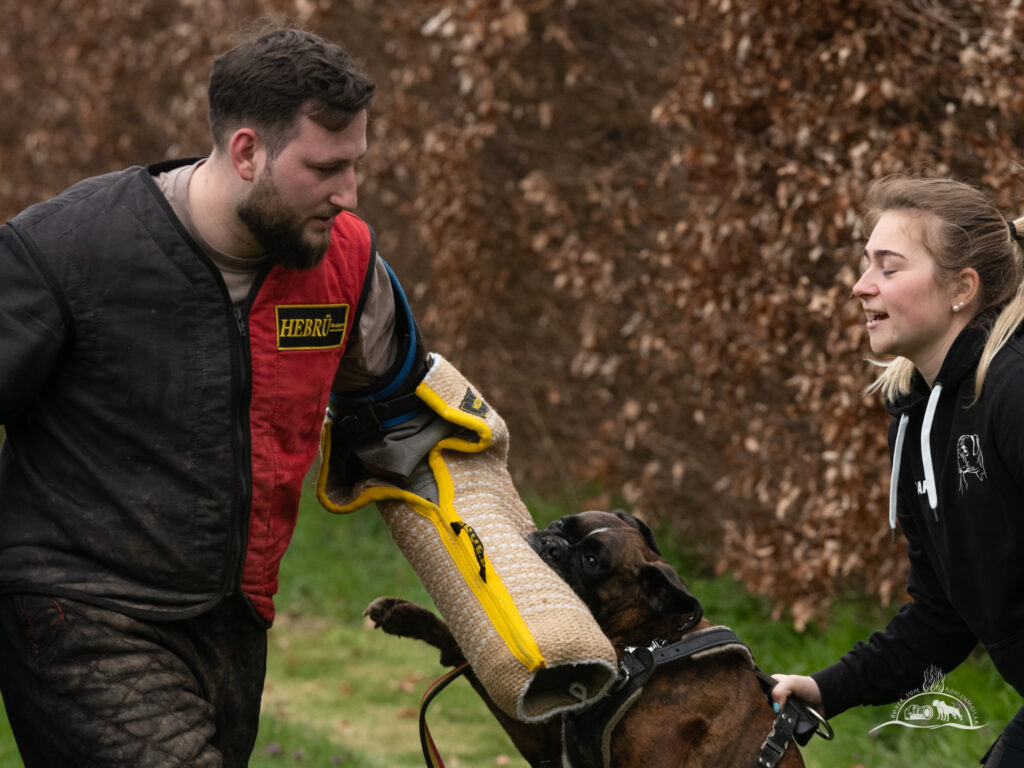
632, 222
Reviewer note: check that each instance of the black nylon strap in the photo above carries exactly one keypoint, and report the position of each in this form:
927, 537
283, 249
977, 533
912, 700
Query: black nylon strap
586, 733
778, 738
365, 419
688, 646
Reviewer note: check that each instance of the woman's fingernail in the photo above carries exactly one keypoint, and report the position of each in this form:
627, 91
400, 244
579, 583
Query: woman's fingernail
775, 707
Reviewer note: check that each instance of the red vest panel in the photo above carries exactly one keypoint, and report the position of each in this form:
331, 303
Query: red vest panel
299, 324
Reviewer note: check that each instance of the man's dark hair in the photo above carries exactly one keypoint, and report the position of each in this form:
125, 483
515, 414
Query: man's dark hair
270, 81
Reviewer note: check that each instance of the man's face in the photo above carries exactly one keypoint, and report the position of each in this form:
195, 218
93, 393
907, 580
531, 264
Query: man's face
311, 180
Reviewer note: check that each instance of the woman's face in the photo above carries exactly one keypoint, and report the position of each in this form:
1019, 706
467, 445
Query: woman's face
909, 312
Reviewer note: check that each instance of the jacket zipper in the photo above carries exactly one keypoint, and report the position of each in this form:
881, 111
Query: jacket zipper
243, 439
243, 492
240, 321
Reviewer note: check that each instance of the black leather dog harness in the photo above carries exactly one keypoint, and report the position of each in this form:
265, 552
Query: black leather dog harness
587, 735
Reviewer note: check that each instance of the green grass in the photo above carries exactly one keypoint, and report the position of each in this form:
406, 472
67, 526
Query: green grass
8, 751
340, 693
359, 688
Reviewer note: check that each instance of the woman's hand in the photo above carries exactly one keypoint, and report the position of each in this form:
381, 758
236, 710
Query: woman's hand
801, 686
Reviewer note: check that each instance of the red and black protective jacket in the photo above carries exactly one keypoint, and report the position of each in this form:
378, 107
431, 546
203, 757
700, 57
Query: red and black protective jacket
157, 436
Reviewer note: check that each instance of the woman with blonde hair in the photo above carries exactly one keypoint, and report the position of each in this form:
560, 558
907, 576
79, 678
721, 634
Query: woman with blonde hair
943, 294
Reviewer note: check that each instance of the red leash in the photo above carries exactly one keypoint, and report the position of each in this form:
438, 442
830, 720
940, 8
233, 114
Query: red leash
430, 753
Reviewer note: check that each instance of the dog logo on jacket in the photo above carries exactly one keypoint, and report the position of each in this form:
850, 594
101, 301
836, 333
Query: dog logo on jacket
969, 459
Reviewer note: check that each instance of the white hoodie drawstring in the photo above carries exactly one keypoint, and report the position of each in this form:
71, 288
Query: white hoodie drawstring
897, 456
926, 449
926, 458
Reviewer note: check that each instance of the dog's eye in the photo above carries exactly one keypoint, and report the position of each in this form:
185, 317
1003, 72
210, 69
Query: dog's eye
592, 562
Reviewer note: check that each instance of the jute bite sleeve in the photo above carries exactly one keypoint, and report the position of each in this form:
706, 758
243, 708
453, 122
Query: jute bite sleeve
530, 640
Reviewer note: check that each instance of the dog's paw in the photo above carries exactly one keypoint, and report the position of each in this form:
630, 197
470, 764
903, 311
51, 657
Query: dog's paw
404, 619
381, 609
400, 617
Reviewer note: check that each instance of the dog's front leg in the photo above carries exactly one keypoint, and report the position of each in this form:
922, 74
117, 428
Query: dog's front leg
540, 744
404, 619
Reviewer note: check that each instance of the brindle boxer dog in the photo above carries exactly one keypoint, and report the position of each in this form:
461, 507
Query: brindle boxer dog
698, 712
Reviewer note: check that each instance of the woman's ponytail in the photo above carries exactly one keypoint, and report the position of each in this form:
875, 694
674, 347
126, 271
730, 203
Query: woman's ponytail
1009, 318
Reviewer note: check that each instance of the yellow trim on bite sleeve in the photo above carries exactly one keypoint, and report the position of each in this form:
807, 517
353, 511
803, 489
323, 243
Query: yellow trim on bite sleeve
487, 587
466, 551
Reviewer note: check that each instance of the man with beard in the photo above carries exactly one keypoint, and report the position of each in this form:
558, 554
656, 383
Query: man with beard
170, 337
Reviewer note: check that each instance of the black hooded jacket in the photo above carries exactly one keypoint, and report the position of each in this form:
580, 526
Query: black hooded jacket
965, 536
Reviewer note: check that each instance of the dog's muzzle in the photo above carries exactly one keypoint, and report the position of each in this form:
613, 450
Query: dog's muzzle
551, 546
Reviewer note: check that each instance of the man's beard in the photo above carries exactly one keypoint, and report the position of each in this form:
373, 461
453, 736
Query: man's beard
279, 229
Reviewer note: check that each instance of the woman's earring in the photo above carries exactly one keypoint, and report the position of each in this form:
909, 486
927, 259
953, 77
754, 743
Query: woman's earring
958, 307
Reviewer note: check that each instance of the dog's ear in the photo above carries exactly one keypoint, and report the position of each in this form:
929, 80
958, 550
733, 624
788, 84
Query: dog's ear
641, 526
666, 592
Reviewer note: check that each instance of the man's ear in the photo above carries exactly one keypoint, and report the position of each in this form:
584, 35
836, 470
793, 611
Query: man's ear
247, 152
665, 591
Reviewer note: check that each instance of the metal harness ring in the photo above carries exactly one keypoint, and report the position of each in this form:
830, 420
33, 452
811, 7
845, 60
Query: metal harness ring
828, 734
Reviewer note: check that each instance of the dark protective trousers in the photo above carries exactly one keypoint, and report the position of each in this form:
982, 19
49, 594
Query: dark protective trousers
1008, 751
85, 686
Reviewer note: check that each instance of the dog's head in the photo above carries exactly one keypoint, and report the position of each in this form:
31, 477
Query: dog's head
610, 559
